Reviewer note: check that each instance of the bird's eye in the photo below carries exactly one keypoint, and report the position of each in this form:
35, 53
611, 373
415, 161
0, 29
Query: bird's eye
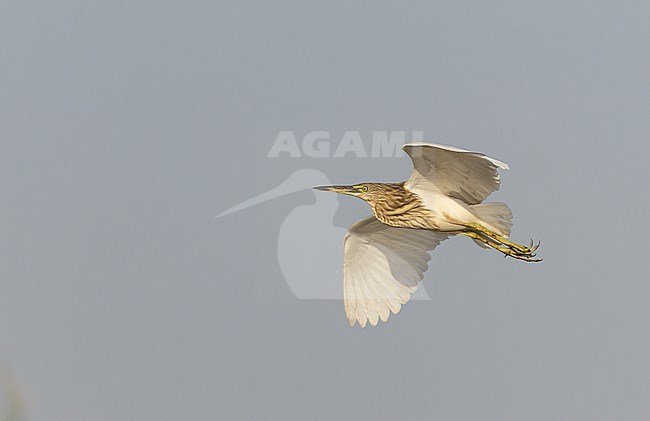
364, 188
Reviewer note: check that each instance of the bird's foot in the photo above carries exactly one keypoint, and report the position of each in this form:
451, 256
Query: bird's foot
521, 249
516, 249
520, 253
528, 257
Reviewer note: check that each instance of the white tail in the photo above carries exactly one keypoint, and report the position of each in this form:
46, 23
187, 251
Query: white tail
496, 216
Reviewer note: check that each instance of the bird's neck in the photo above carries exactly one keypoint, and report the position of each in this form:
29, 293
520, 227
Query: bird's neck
395, 205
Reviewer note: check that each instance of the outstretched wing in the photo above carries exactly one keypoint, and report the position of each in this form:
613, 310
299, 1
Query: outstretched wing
461, 174
383, 266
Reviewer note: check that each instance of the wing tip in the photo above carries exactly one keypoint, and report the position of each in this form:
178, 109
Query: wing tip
499, 164
369, 321
496, 162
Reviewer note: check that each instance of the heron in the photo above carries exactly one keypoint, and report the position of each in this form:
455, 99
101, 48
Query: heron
387, 253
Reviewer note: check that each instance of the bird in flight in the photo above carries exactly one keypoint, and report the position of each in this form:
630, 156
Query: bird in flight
386, 254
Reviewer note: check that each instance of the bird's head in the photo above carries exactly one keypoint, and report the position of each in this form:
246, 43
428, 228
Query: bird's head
365, 191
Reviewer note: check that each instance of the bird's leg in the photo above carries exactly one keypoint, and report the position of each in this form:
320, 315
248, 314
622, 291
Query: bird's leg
507, 251
520, 249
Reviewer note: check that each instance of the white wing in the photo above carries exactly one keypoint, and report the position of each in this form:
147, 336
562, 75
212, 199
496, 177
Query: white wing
383, 266
464, 175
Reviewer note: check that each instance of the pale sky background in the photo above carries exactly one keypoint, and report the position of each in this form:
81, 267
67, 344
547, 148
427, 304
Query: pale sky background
126, 126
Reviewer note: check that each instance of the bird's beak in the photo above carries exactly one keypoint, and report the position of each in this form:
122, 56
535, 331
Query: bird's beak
339, 189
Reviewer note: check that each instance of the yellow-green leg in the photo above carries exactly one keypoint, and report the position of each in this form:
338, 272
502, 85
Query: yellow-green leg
507, 251
521, 249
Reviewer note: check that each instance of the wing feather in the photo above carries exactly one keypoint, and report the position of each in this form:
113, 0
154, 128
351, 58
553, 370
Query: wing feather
350, 301
378, 294
372, 305
383, 266
461, 174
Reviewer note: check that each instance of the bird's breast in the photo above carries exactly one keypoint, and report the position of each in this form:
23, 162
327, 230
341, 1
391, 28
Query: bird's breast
449, 214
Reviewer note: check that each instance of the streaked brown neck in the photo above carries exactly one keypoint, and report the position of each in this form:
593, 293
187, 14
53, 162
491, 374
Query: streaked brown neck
396, 206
